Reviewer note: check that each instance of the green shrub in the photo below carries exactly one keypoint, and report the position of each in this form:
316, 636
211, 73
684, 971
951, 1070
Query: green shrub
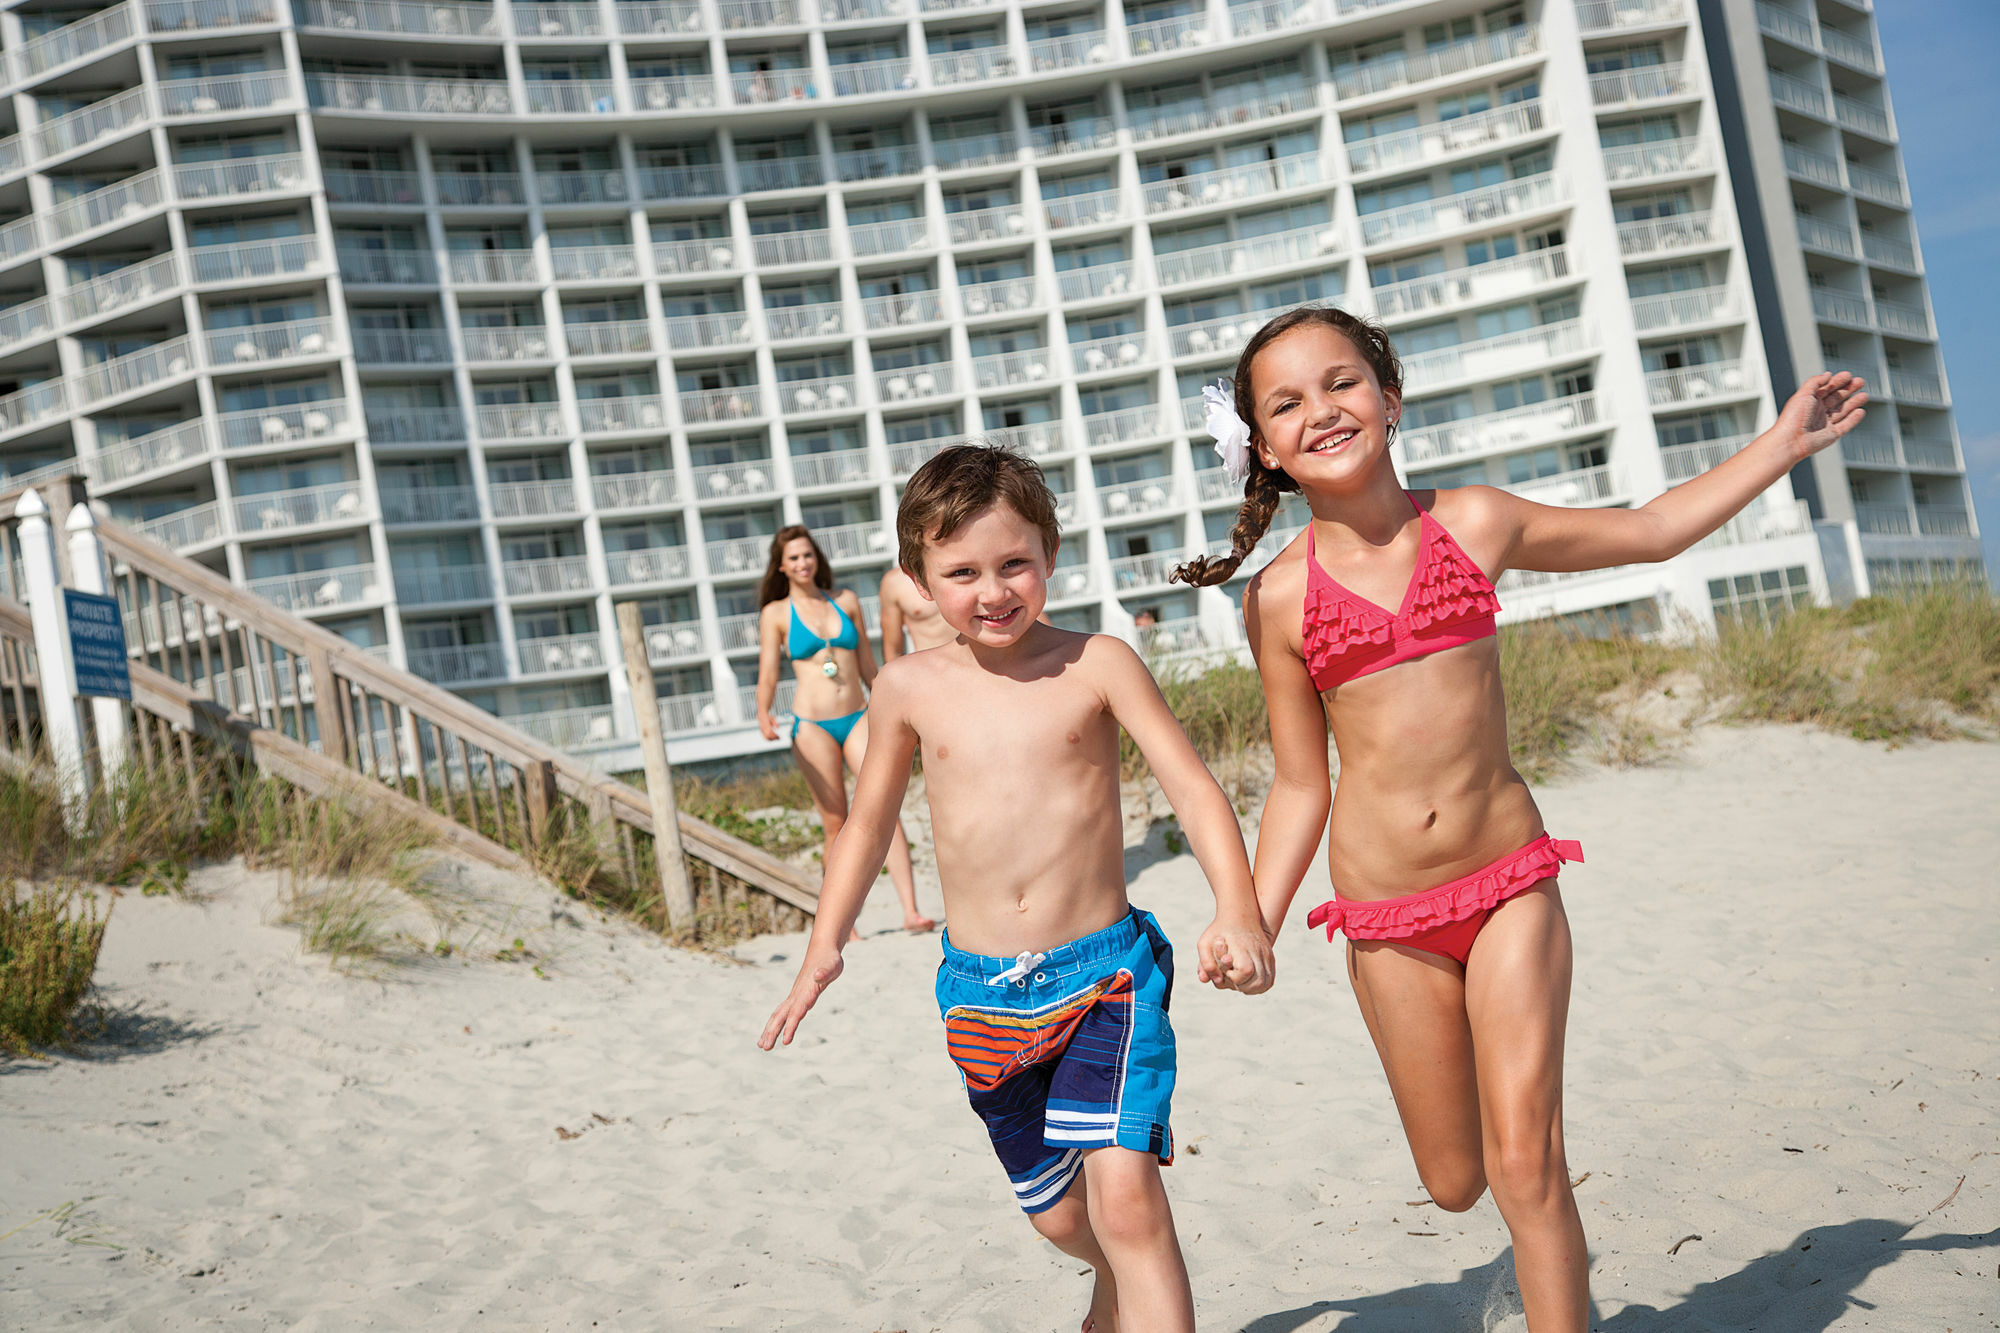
49, 939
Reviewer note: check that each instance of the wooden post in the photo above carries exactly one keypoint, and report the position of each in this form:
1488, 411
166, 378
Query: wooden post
674, 886
326, 704
539, 776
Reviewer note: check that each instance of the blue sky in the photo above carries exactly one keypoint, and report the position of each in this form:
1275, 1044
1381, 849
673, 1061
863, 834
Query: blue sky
1939, 55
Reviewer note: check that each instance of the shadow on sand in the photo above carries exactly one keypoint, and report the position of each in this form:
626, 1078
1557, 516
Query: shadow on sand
118, 1032
1802, 1288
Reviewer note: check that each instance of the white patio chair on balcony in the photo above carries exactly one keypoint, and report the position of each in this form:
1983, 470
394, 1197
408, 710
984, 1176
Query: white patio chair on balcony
600, 728
755, 480
245, 351
805, 400
1128, 353
330, 592
1153, 496
1199, 341
838, 396
275, 429
925, 383
1094, 358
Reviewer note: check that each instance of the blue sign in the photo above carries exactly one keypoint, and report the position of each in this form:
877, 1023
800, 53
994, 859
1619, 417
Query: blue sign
97, 645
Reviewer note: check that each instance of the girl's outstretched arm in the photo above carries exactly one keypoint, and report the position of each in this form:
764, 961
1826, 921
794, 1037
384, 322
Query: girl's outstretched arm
1295, 811
1547, 537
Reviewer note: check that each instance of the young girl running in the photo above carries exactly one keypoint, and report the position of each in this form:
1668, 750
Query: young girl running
1377, 624
825, 636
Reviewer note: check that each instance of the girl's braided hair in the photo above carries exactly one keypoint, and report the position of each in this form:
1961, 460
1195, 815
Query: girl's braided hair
1266, 487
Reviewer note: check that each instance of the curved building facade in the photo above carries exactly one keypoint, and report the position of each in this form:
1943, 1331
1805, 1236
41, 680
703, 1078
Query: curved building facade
451, 324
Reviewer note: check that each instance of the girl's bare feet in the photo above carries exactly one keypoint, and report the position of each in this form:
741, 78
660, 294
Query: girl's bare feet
916, 924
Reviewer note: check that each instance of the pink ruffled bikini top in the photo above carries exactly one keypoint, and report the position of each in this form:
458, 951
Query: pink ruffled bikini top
1449, 602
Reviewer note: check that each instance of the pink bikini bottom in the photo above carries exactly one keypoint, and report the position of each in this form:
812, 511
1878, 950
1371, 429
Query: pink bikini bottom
1446, 920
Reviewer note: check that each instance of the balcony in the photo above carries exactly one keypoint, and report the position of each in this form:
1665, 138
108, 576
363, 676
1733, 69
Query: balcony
1029, 366
75, 41
554, 576
393, 95
1879, 186
416, 425
674, 641
177, 446
896, 237
309, 506
706, 407
1867, 447
739, 14
519, 421
689, 182
1234, 111
532, 499
658, 564
1040, 439
683, 713
196, 525
458, 663
594, 263
557, 20
1943, 521
855, 541
1096, 281
659, 17
34, 405
1884, 252
864, 164
581, 187
1644, 83
1396, 71
779, 249
320, 590
402, 18
571, 97
1808, 97
738, 555
1783, 23
1161, 36
1916, 390
473, 268
1113, 353
822, 393
1883, 519
1416, 222
87, 125
1929, 455
1133, 572
1126, 425
120, 202
137, 284
1584, 486
242, 176
1902, 320
1862, 118
1207, 188
389, 268
567, 652
1151, 495
888, 312
611, 416
135, 370
1071, 52
1682, 461
728, 328
1648, 161
1675, 310
1826, 237
1254, 255
1595, 16
1509, 354
1098, 208
429, 504
27, 322
910, 382
787, 323
761, 87
719, 481
1003, 296
443, 583
673, 258
635, 490
1070, 582
1693, 384
325, 419
974, 66
973, 150
1849, 308
226, 95
1483, 284
844, 467
615, 337
506, 343
379, 189
1410, 149
1854, 52
692, 92
1527, 427
567, 728
251, 344
1814, 168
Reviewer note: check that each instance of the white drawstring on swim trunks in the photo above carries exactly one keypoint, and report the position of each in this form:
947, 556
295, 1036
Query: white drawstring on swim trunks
1027, 961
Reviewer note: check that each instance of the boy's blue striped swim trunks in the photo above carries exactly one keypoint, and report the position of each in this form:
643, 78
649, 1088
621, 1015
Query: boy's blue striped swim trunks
1065, 1051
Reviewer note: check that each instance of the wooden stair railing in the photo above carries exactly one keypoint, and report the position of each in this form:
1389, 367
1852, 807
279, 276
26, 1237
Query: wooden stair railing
209, 649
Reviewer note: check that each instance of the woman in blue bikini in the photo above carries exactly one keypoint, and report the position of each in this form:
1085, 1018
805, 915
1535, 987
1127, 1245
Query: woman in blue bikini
821, 631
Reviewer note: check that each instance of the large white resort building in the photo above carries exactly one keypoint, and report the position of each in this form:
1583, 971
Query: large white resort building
451, 325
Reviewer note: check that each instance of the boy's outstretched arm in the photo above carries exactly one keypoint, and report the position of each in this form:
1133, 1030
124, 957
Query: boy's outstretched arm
1234, 952
857, 854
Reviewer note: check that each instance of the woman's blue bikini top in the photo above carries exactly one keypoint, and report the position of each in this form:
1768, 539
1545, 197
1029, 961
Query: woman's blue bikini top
803, 643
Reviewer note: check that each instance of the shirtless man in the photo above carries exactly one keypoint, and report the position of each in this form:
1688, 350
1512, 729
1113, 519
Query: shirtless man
1054, 987
904, 607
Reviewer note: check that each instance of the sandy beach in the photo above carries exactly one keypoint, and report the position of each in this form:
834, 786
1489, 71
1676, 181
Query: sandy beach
1782, 1065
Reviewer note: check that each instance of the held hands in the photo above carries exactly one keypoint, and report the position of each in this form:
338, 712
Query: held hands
1826, 407
1236, 955
815, 975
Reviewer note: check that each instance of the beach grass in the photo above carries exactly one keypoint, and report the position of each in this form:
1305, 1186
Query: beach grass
49, 938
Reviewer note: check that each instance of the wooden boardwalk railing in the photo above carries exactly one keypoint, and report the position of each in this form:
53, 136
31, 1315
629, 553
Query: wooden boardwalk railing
213, 660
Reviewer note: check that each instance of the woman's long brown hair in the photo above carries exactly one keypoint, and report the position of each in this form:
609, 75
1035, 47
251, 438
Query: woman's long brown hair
776, 586
1266, 487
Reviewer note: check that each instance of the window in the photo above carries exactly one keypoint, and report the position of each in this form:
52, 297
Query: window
1759, 597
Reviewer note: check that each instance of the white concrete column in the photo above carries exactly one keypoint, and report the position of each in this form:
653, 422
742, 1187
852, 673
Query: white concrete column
60, 722
87, 566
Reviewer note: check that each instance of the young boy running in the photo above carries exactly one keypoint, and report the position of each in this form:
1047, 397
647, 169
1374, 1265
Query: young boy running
1054, 987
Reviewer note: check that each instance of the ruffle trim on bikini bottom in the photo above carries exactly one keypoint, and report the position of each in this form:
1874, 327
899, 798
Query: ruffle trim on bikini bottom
1400, 918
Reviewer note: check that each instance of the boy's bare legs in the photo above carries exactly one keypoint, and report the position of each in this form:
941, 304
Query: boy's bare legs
1067, 1227
822, 761
1132, 1225
1496, 1116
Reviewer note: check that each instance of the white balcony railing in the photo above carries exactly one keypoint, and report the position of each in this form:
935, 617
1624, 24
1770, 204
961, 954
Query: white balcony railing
1147, 496
674, 640
1002, 296
1255, 254
1472, 207
1483, 284
492, 267
1840, 307
429, 504
395, 95
908, 382
250, 344
135, 285
176, 446
1126, 425
240, 176
1672, 310
606, 416
821, 393
974, 66
888, 312
1093, 281
1495, 358
1692, 384
1836, 239
548, 577
1233, 183
1641, 83
565, 652
1582, 486
635, 490
456, 663
443, 583
415, 18
898, 236
659, 564
1525, 427
1132, 572
1818, 168
1916, 390
710, 406
1399, 70
308, 506
1885, 519
1028, 366
776, 249
611, 337
842, 467
571, 97
1410, 149
321, 589
593, 263
659, 17
136, 370
194, 526
532, 499
706, 255
383, 267
855, 541
568, 728
74, 41
227, 94
529, 342
824, 319
1682, 461
1112, 353
1002, 222
717, 481
1663, 157
518, 421
1098, 208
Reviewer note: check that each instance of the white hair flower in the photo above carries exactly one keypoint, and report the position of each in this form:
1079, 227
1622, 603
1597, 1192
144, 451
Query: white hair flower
1232, 436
